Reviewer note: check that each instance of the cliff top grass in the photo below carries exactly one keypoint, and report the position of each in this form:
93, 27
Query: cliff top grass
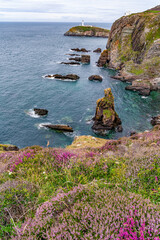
88, 28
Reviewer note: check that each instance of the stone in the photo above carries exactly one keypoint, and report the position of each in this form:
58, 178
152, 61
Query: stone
62, 77
95, 78
155, 120
106, 117
85, 59
103, 60
77, 59
70, 63
72, 54
40, 111
133, 133
9, 148
98, 50
64, 128
79, 50
141, 86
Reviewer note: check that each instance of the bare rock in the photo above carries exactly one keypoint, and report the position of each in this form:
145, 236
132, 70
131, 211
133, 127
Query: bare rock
85, 59
95, 78
40, 111
98, 50
70, 63
155, 120
79, 50
64, 128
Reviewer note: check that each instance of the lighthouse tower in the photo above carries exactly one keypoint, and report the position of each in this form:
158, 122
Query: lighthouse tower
82, 22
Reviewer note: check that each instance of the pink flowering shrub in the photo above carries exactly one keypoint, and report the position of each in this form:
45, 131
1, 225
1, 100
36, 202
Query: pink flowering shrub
89, 213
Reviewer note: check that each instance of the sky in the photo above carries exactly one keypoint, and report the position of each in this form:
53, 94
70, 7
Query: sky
70, 10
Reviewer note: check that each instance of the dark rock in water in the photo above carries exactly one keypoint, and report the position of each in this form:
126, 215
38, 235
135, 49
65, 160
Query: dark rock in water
79, 50
155, 120
95, 78
72, 54
40, 111
98, 50
77, 59
85, 59
133, 133
68, 76
8, 148
64, 128
142, 86
106, 118
70, 63
119, 128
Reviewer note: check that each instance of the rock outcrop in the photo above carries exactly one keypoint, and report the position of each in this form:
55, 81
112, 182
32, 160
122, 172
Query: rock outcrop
106, 117
87, 31
8, 148
155, 120
77, 59
70, 63
95, 78
133, 47
40, 111
80, 50
98, 50
62, 77
63, 128
85, 59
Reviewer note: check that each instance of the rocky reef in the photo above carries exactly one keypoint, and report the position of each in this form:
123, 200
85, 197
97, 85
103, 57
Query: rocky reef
87, 31
64, 77
106, 117
133, 48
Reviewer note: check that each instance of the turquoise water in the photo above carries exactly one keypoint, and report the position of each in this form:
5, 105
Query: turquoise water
31, 50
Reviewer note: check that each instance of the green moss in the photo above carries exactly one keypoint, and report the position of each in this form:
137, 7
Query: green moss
108, 113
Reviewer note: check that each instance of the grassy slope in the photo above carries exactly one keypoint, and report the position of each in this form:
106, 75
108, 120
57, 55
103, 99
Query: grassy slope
74, 193
87, 28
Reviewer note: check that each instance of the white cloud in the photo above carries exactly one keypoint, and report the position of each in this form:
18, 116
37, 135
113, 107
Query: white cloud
70, 10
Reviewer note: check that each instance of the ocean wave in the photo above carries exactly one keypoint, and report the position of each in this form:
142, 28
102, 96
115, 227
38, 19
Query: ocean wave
41, 125
32, 114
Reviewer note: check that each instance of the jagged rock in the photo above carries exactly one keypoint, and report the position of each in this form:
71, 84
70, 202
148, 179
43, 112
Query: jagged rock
106, 118
59, 76
77, 59
155, 120
40, 111
95, 78
79, 49
103, 60
85, 59
98, 50
143, 87
70, 63
8, 148
64, 128
133, 133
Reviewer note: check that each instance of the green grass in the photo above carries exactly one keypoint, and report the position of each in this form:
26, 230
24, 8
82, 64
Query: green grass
88, 28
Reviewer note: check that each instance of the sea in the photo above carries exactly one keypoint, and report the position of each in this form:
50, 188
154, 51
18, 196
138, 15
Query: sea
28, 52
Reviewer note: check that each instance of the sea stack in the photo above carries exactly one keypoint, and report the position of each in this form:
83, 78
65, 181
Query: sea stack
106, 117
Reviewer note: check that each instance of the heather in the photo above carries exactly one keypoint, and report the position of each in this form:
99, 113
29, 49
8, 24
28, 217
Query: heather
108, 192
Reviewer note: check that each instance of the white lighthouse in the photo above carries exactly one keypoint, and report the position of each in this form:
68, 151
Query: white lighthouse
82, 22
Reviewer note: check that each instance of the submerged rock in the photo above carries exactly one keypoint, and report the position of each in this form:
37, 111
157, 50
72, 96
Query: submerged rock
155, 120
95, 78
79, 50
106, 118
64, 128
70, 63
85, 59
40, 111
62, 77
72, 54
98, 50
77, 59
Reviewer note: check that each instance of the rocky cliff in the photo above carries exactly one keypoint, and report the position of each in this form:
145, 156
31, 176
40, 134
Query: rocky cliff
133, 47
87, 31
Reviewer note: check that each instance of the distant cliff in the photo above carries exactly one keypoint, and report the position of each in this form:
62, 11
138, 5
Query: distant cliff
134, 46
87, 31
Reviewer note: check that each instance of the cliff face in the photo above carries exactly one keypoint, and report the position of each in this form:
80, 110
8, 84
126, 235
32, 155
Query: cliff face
87, 31
134, 46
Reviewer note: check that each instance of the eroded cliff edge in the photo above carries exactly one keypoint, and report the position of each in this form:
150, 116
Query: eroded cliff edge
133, 48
